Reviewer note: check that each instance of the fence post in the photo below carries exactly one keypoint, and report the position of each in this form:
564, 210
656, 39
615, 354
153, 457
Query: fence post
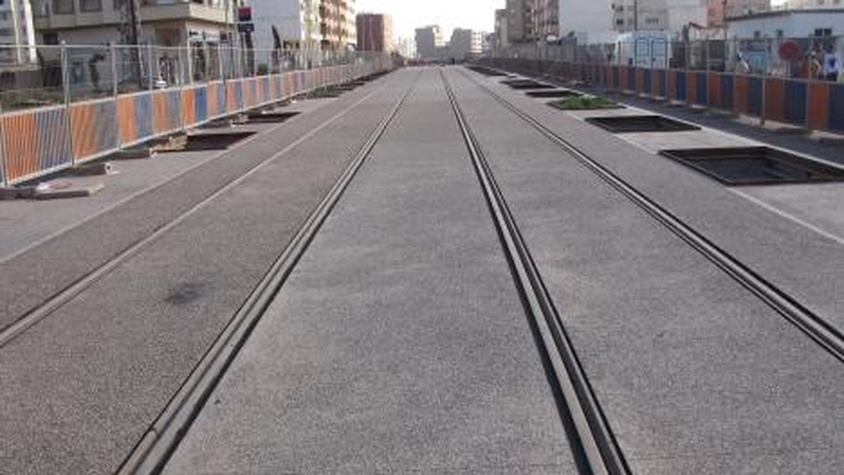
67, 99
150, 66
115, 90
5, 162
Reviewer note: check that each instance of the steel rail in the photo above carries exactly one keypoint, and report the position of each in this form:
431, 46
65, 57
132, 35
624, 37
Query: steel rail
43, 310
162, 438
813, 325
595, 441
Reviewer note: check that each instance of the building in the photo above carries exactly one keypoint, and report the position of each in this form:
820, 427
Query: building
517, 20
587, 20
543, 19
375, 32
17, 34
758, 37
669, 15
429, 42
716, 11
466, 43
406, 47
813, 4
163, 22
501, 37
297, 23
781, 25
337, 24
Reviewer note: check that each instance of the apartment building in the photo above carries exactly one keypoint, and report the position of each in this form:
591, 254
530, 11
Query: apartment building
813, 4
466, 43
543, 19
718, 10
296, 21
375, 32
17, 34
429, 42
671, 15
587, 20
337, 27
517, 21
163, 22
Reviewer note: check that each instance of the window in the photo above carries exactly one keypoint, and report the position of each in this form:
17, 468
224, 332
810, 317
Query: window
823, 32
91, 5
63, 7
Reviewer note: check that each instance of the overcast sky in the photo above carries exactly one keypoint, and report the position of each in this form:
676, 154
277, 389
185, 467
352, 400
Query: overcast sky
411, 14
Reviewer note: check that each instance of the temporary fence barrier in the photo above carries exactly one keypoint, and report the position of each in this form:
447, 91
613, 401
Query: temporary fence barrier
39, 141
810, 103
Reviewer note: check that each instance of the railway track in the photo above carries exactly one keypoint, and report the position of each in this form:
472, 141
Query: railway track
157, 445
594, 444
813, 325
83, 282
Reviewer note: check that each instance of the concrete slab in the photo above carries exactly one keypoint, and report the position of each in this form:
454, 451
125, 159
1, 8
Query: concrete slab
694, 373
36, 265
398, 345
88, 380
804, 261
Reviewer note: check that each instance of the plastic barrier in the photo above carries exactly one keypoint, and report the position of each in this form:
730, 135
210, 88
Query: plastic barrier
36, 142
814, 104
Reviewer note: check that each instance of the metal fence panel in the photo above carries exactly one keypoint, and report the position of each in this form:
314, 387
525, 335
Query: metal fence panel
93, 127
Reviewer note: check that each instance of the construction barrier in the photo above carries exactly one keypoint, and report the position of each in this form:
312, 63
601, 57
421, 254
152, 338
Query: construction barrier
40, 141
810, 103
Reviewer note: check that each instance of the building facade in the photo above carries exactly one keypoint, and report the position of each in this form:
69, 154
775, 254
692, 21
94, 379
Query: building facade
296, 21
17, 34
466, 43
670, 15
337, 24
429, 42
587, 20
543, 19
375, 32
517, 20
163, 22
718, 10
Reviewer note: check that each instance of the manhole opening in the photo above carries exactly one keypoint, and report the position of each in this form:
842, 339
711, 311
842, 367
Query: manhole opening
736, 166
486, 71
640, 123
555, 93
270, 117
526, 84
215, 141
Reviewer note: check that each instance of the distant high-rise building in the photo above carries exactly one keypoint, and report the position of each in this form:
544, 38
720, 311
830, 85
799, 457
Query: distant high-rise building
375, 32
543, 19
17, 34
337, 24
465, 43
429, 42
406, 47
585, 19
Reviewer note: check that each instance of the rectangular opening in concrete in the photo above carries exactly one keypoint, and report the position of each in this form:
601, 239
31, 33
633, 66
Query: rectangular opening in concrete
486, 71
526, 84
554, 93
270, 117
215, 141
640, 123
735, 166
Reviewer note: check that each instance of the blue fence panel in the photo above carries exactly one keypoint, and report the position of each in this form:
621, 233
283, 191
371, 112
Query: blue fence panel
200, 103
143, 116
53, 138
836, 107
702, 96
754, 97
795, 102
681, 86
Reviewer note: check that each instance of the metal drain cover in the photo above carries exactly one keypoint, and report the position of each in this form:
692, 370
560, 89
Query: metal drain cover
640, 123
736, 166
